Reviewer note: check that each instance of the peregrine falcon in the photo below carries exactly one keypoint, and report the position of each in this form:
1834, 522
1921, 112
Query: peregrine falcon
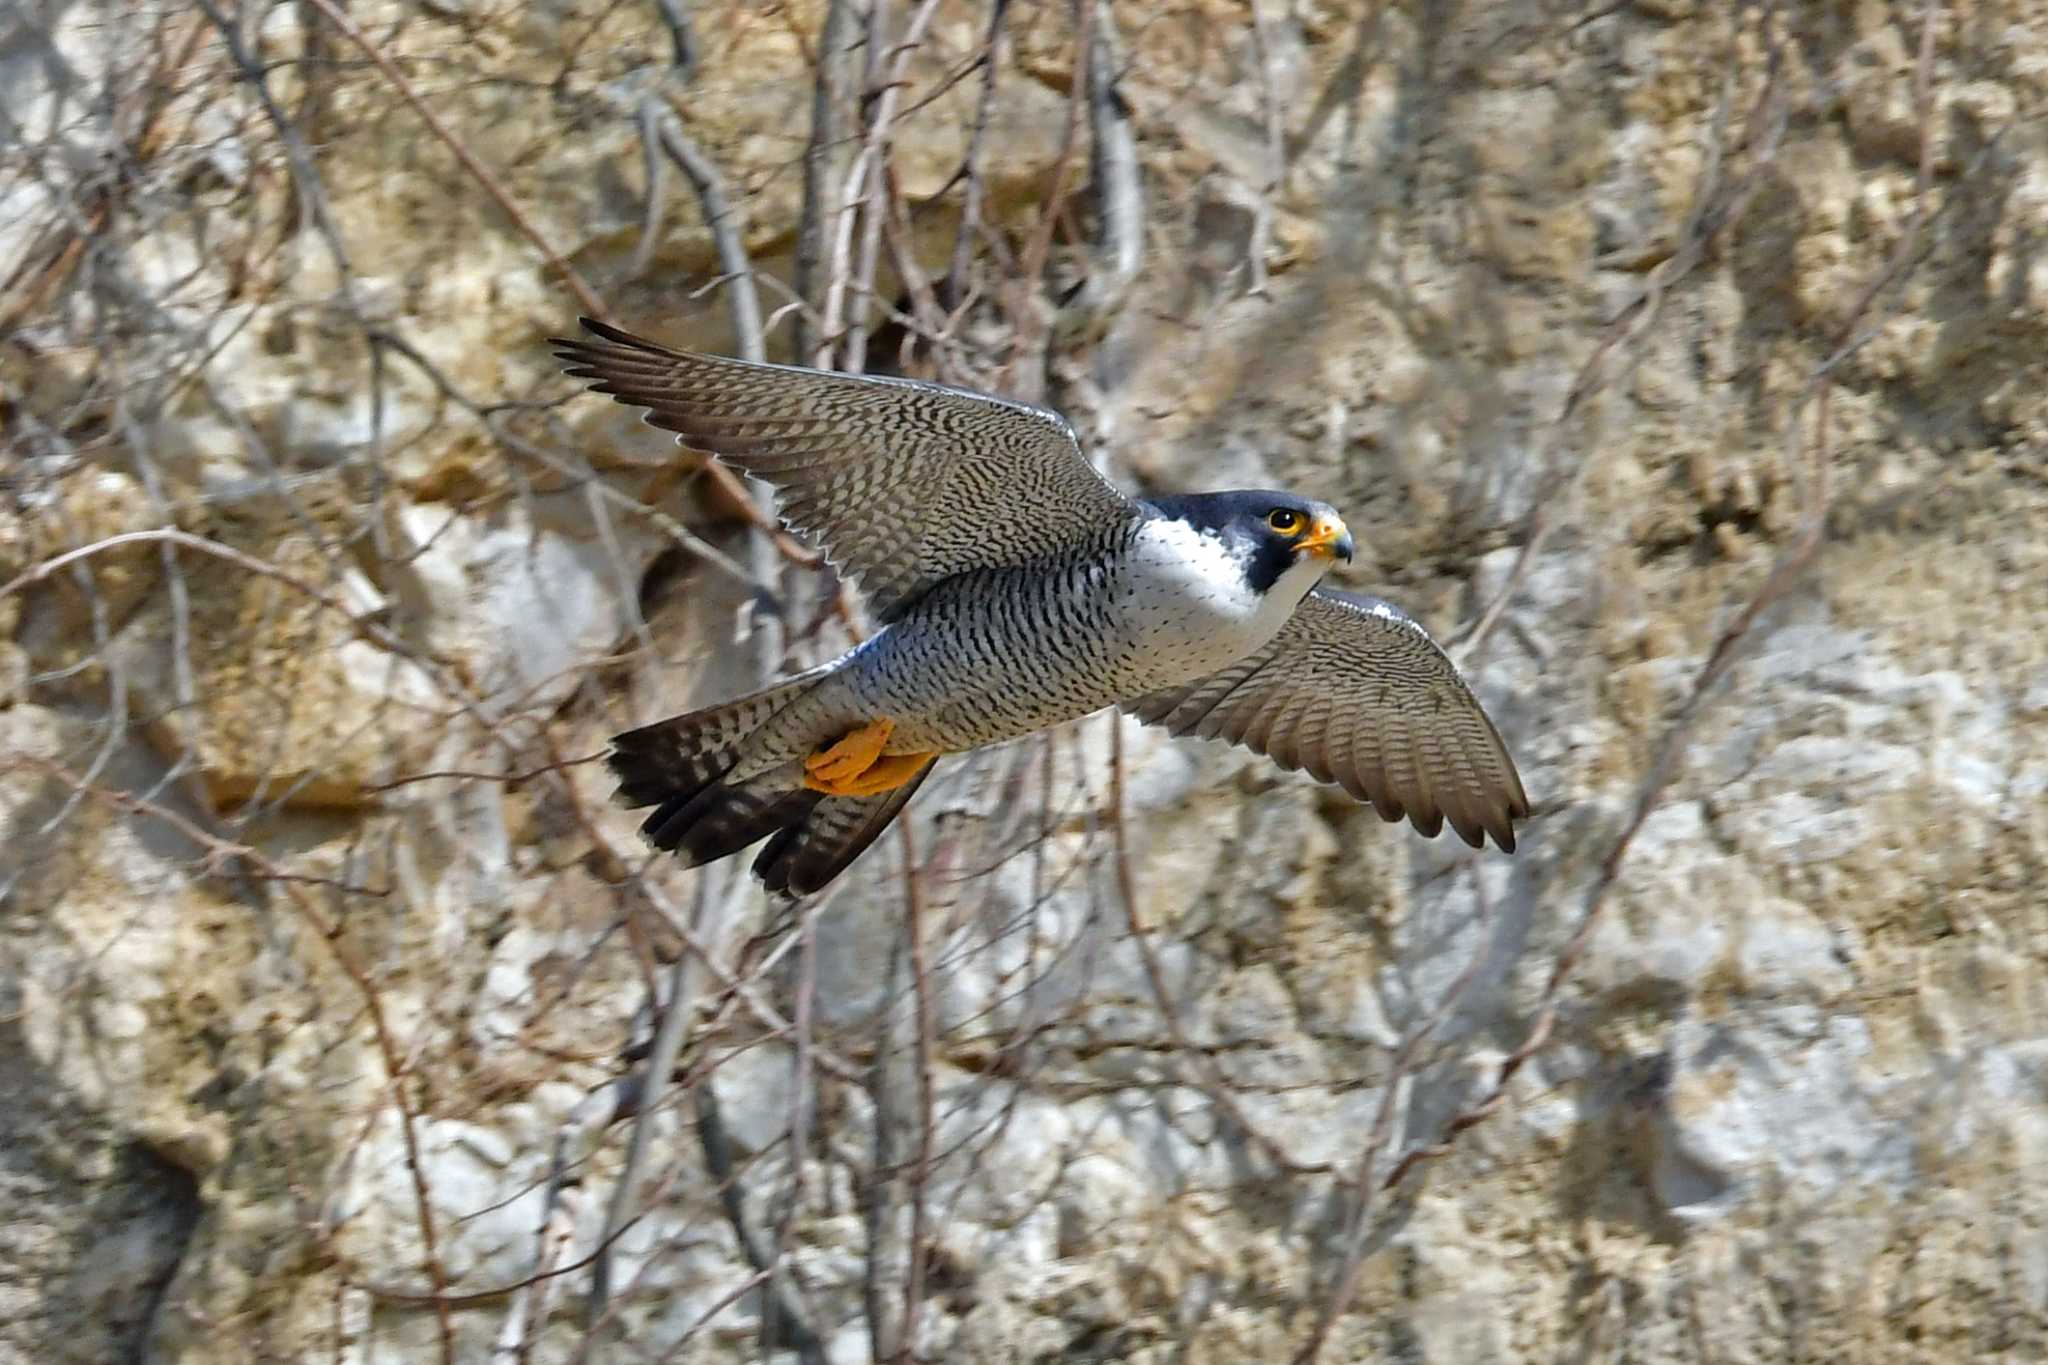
1014, 589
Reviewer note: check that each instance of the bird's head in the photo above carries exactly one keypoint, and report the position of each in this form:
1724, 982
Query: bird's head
1280, 538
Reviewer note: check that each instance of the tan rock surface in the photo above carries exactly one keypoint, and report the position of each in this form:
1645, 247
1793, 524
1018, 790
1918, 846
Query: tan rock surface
299, 993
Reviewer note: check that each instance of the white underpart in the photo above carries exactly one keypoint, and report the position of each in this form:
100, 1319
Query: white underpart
1186, 600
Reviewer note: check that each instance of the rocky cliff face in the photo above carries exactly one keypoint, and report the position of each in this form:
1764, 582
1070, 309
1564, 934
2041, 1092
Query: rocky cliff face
1625, 335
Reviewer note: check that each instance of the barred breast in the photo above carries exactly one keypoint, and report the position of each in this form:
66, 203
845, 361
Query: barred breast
992, 655
996, 654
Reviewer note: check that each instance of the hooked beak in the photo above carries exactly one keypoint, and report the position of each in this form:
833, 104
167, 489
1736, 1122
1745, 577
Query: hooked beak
1327, 538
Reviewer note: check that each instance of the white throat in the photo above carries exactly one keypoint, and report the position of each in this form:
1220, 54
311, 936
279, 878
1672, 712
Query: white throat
1188, 607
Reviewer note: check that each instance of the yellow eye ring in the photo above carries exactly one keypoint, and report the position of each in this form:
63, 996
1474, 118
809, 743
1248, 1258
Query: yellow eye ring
1283, 520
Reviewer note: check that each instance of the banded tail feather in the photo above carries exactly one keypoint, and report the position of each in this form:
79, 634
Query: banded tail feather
810, 851
680, 768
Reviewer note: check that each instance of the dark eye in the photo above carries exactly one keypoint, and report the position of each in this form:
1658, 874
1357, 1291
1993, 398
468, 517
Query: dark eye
1282, 520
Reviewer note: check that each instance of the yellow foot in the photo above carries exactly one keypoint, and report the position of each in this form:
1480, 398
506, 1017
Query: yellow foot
853, 754
888, 773
856, 766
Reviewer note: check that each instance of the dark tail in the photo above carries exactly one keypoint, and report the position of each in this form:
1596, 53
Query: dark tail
811, 849
679, 766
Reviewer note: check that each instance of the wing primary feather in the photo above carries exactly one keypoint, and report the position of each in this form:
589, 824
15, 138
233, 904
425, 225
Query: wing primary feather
1357, 693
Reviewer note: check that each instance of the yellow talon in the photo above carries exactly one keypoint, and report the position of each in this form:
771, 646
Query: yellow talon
852, 754
888, 773
856, 766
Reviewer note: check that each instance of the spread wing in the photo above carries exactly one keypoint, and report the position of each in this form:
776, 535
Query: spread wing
1357, 693
900, 483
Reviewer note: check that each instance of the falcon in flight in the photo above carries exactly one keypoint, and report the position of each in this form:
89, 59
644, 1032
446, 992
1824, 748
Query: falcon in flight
1015, 589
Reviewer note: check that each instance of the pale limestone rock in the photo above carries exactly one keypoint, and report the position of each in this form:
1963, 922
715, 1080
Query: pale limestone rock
520, 604
1794, 1100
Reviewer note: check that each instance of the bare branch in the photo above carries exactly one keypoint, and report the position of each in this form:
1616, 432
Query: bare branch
222, 856
1718, 207
1270, 103
492, 186
675, 16
763, 621
1400, 1077
782, 1325
675, 1013
964, 238
921, 1166
1116, 188
578, 1138
724, 224
861, 199
821, 208
1789, 568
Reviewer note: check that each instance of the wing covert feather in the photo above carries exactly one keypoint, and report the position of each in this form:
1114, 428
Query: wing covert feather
901, 483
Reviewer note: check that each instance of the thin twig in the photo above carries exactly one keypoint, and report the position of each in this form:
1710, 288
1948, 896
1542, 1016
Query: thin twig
1400, 1072
574, 1142
1276, 152
1716, 210
675, 1013
586, 297
853, 350
956, 286
1031, 265
1116, 188
1791, 565
365, 626
820, 208
921, 1167
781, 1323
222, 856
1215, 1086
803, 1083
862, 181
